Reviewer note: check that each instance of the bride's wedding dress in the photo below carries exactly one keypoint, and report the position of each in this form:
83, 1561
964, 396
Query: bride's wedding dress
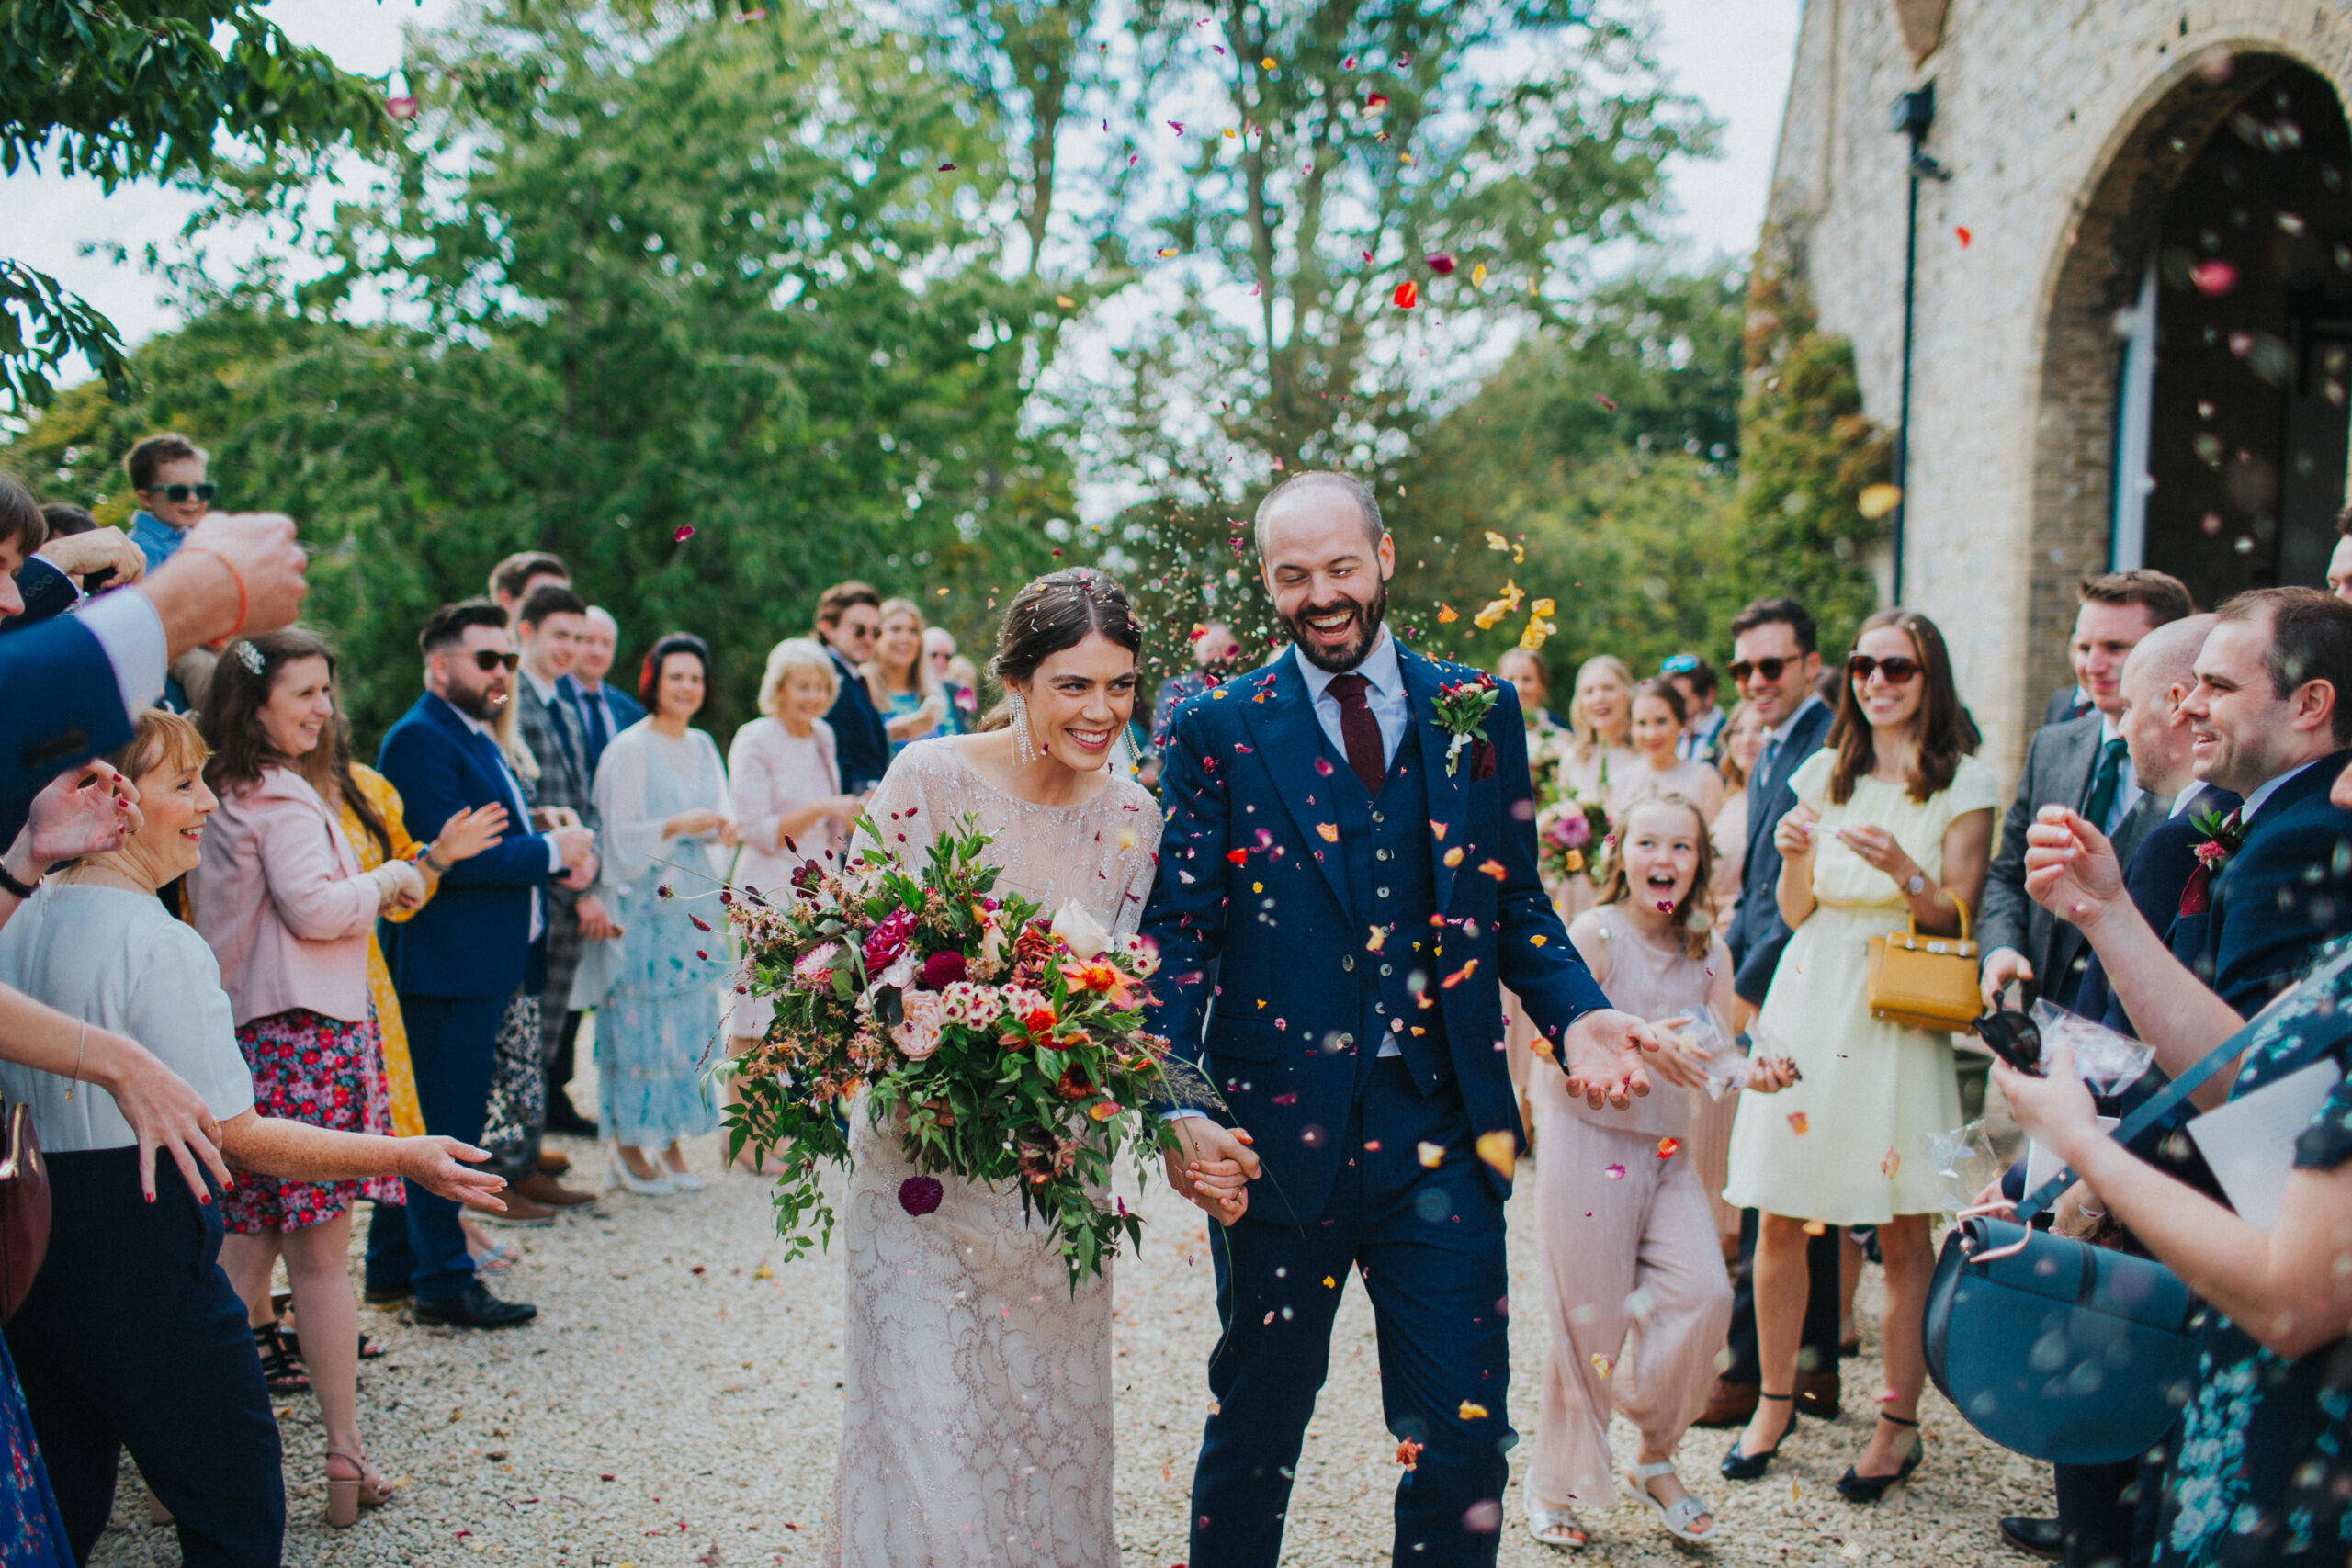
977, 1426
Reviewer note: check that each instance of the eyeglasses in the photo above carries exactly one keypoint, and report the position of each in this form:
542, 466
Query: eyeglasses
1898, 671
489, 659
1742, 670
176, 494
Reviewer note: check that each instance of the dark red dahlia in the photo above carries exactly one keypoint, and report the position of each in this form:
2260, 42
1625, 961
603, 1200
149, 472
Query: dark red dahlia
942, 970
919, 1195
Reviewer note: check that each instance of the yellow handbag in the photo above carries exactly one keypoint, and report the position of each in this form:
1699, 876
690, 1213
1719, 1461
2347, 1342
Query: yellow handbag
1926, 982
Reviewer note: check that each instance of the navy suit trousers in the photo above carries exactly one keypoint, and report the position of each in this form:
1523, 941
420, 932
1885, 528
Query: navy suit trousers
132, 1338
1429, 1242
453, 1044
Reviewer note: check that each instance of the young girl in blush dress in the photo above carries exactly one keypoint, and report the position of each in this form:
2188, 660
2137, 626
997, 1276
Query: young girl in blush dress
1634, 1294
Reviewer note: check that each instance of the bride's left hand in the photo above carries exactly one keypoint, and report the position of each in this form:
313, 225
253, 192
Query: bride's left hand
1221, 1188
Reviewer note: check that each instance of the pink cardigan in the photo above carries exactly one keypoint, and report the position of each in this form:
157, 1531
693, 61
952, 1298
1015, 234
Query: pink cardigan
280, 896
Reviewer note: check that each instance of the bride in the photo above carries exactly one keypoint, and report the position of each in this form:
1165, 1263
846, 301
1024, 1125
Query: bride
977, 1426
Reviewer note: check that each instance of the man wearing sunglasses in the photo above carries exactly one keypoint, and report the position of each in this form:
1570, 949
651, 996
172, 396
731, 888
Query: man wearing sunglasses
2083, 765
169, 474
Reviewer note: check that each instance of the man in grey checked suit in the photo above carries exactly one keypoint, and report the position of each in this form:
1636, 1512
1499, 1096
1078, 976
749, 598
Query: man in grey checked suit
547, 627
2081, 763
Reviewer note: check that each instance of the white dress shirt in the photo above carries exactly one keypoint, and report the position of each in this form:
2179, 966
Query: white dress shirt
2261, 795
2186, 797
518, 804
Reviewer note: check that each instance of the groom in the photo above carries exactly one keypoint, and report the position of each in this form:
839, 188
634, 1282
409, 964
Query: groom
1358, 898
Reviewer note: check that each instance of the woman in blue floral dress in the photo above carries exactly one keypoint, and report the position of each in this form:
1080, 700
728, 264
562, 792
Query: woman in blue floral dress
2258, 1472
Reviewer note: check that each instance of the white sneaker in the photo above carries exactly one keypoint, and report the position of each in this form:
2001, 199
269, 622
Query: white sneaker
617, 1174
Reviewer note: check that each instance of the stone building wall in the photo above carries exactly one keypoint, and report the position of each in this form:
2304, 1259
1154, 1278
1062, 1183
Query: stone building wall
2061, 121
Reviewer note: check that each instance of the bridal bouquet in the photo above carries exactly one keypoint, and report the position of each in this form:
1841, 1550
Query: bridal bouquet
1007, 1046
1572, 837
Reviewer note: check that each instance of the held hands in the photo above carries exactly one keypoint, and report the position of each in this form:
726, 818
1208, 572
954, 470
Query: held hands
1794, 837
470, 833
399, 885
86, 812
580, 878
432, 1162
1212, 1165
2004, 968
1604, 1053
596, 924
694, 824
2071, 868
575, 845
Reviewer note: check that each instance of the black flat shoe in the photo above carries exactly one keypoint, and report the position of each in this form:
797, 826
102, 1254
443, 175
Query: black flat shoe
1855, 1487
1738, 1466
2036, 1538
475, 1309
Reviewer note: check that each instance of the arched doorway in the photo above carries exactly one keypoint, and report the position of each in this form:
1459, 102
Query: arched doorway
2194, 383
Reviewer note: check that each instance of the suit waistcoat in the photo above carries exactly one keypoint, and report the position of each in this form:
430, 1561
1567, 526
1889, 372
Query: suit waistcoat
1392, 885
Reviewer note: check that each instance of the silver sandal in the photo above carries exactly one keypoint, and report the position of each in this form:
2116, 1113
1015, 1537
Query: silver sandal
1676, 1516
1543, 1523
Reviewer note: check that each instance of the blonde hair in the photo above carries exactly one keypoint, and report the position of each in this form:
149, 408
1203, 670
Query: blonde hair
1616, 885
792, 654
1588, 741
161, 740
925, 687
1727, 764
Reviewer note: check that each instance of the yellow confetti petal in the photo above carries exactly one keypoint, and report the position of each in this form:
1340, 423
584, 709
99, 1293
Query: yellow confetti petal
1329, 831
1229, 130
1166, 252
1472, 1412
1478, 273
765, 1271
1065, 302
1496, 542
1432, 1155
1454, 856
1538, 939
1491, 617
1372, 942
1877, 501
1601, 1363
1329, 1283
1499, 1150
1267, 64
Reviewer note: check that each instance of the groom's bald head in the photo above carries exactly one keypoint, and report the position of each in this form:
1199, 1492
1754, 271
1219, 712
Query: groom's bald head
1317, 488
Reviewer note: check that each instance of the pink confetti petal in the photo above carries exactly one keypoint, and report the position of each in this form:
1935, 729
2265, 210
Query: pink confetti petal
1440, 262
685, 531
1615, 1173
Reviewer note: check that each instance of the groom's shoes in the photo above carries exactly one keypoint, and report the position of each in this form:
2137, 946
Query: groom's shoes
1729, 1403
1817, 1392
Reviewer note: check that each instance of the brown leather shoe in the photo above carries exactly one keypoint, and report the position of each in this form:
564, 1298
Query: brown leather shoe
1729, 1405
555, 1161
541, 1188
1817, 1393
520, 1210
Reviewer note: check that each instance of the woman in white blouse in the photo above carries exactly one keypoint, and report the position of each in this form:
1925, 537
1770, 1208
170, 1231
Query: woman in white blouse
131, 1336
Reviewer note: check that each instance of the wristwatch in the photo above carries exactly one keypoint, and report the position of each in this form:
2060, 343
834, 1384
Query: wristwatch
1918, 885
20, 889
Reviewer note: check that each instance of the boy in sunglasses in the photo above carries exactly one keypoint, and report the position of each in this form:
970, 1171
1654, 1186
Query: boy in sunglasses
168, 473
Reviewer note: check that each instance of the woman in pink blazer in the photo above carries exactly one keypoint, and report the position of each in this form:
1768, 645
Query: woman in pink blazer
280, 897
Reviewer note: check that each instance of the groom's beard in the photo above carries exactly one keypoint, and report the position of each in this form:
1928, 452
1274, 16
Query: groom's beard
1349, 654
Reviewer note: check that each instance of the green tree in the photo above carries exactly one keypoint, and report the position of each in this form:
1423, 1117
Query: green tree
138, 89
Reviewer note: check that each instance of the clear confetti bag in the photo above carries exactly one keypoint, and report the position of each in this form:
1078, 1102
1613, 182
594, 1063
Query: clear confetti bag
2108, 1062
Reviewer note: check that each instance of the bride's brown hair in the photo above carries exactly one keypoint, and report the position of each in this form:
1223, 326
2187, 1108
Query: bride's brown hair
1059, 610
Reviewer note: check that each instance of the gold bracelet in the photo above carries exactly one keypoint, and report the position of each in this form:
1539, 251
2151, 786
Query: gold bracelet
78, 1049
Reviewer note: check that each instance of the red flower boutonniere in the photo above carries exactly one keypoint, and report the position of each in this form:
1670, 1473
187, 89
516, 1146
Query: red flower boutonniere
1461, 710
2224, 836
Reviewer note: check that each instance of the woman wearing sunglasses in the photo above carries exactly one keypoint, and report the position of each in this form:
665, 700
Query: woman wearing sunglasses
1893, 827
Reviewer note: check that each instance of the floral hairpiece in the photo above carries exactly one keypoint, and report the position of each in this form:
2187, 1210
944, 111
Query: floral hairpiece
249, 656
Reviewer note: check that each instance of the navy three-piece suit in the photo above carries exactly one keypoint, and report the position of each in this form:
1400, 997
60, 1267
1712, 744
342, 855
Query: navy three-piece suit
1336, 918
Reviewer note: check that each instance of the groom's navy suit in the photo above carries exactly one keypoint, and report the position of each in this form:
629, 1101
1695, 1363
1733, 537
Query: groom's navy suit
1337, 920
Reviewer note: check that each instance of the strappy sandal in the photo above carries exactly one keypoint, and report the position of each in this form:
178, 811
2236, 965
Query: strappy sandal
1675, 1515
368, 1350
1855, 1487
1738, 1466
278, 1368
1556, 1527
346, 1495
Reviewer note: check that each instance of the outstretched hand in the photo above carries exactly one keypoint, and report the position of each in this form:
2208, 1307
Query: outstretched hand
432, 1162
1603, 1054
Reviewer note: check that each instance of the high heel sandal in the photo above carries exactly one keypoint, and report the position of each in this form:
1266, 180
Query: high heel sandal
1738, 1466
346, 1495
278, 1368
1855, 1487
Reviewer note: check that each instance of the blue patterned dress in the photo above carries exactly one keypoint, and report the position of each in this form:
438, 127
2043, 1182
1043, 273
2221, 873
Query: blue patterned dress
2262, 1474
657, 989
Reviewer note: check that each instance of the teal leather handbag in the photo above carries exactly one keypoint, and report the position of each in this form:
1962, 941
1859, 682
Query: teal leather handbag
2055, 1348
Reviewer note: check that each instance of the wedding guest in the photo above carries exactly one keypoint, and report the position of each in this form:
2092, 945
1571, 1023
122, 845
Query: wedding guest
1695, 679
2339, 560
130, 1337
1599, 754
966, 676
1893, 827
605, 710
1524, 670
170, 475
513, 580
1742, 743
912, 702
939, 657
65, 520
1776, 660
661, 796
1628, 1243
848, 616
1216, 655
280, 896
1660, 722
2079, 762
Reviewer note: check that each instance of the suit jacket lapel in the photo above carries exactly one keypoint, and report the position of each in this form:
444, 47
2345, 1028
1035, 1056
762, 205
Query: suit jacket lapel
1449, 792
1279, 716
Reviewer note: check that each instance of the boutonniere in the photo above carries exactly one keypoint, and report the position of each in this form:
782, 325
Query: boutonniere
2224, 836
1462, 709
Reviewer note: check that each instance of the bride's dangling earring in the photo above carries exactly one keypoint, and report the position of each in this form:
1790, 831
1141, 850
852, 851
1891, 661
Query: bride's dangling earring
1021, 741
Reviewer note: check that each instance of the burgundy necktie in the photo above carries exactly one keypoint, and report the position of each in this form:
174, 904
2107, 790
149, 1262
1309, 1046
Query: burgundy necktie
1360, 729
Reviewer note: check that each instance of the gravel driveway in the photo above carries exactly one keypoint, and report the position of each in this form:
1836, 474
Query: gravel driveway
678, 1403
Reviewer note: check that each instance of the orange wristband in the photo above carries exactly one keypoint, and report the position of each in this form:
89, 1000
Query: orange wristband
244, 604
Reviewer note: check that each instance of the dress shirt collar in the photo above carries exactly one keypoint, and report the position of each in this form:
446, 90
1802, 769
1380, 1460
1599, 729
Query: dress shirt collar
2255, 802
470, 722
1381, 666
1775, 736
544, 690
2186, 797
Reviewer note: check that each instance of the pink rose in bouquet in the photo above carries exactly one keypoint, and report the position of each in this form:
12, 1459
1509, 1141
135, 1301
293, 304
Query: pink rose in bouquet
922, 1015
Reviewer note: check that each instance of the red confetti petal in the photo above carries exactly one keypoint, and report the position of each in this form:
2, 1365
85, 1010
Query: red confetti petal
1440, 262
1408, 294
685, 531
945, 168
1962, 235
400, 107
2214, 278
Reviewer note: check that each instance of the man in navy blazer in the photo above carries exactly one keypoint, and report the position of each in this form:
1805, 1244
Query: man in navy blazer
478, 941
1776, 660
1361, 873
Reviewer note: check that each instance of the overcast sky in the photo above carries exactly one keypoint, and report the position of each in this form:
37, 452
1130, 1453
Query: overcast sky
1733, 55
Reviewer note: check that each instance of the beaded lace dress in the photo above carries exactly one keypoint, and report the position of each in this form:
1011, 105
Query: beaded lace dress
977, 1429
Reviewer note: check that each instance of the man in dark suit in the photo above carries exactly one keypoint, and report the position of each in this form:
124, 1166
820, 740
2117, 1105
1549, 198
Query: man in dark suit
603, 710
478, 942
546, 628
1776, 660
2082, 763
848, 616
1324, 792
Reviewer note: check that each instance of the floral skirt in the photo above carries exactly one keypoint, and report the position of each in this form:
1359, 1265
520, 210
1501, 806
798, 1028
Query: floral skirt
309, 1068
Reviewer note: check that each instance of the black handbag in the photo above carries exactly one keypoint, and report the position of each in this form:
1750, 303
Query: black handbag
2055, 1348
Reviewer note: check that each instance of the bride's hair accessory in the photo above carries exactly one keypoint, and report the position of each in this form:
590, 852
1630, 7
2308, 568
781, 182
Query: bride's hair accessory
249, 656
1021, 742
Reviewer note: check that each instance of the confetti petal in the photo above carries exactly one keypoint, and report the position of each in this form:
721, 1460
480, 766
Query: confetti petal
1065, 301
1614, 1172
1472, 1411
1408, 1453
1432, 1155
1500, 1151
1889, 1163
1167, 253
1440, 262
1961, 234
1800, 1124
1408, 294
1327, 832
946, 168
685, 531
1669, 1147
1876, 501
2213, 278
401, 108
1446, 613
1478, 273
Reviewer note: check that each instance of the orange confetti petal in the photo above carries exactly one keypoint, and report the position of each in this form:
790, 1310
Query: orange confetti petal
1500, 1151
1167, 253
1667, 1147
1799, 1123
1447, 614
1493, 868
1330, 831
1408, 1453
1454, 856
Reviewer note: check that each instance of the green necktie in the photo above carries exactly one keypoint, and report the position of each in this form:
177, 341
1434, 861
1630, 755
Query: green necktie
2104, 784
